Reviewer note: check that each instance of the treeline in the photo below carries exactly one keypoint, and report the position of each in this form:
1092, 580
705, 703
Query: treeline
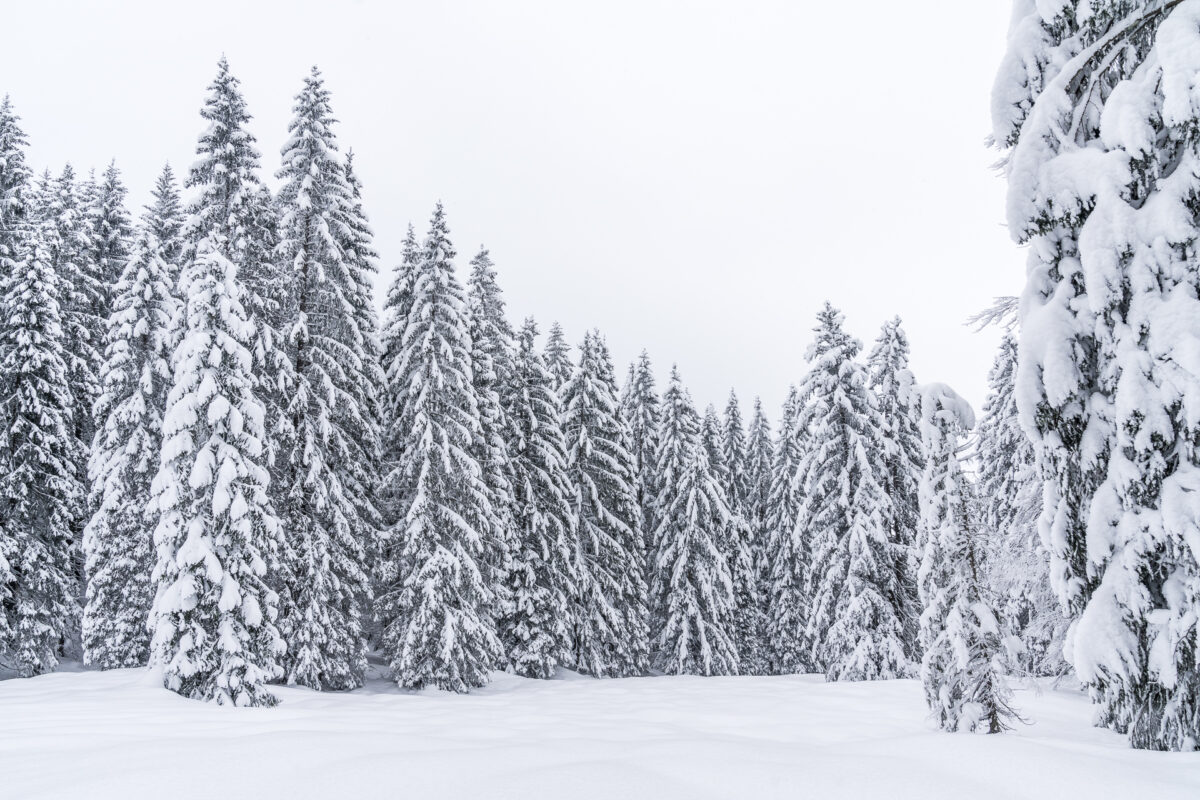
217, 460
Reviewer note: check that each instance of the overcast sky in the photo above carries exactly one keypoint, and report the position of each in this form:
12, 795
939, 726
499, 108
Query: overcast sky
693, 178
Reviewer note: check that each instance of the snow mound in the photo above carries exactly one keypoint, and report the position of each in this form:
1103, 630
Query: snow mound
110, 735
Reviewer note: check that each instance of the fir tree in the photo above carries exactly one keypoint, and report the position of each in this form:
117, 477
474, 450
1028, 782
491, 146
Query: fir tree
899, 412
396, 310
854, 631
39, 454
1103, 177
640, 410
82, 299
785, 553
611, 637
759, 457
163, 220
324, 500
960, 634
112, 232
492, 369
436, 607
743, 545
1010, 493
692, 585
217, 537
124, 459
733, 457
558, 357
541, 581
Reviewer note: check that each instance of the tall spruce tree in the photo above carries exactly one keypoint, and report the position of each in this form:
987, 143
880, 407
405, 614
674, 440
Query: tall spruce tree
558, 356
18, 197
785, 553
111, 238
538, 621
961, 667
611, 636
436, 605
640, 409
733, 456
492, 368
234, 212
82, 298
163, 220
39, 453
397, 309
695, 610
744, 545
1099, 130
324, 496
899, 412
217, 538
854, 630
118, 539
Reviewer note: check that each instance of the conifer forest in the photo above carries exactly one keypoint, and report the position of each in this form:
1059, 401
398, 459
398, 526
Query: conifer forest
283, 517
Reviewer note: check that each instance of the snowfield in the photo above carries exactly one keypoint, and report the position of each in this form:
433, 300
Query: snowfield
116, 735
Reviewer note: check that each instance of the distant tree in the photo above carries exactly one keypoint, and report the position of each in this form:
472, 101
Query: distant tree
640, 410
785, 552
492, 368
695, 614
855, 631
611, 635
558, 356
538, 622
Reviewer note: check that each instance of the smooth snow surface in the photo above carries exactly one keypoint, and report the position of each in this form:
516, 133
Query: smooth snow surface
116, 735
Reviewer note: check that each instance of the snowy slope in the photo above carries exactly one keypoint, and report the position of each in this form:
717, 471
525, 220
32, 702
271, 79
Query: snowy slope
109, 735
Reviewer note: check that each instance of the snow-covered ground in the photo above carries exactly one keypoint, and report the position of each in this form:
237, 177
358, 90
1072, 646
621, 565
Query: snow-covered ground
116, 735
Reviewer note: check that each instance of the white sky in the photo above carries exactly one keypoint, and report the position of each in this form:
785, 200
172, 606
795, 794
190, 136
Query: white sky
694, 178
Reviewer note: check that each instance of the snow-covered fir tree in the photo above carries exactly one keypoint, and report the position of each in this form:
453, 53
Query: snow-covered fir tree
842, 523
961, 666
111, 235
692, 588
39, 452
538, 619
733, 456
213, 619
558, 356
326, 468
1010, 500
734, 539
436, 606
640, 410
760, 454
234, 212
611, 638
899, 412
492, 369
82, 298
1098, 118
163, 220
743, 550
784, 555
118, 539
396, 310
